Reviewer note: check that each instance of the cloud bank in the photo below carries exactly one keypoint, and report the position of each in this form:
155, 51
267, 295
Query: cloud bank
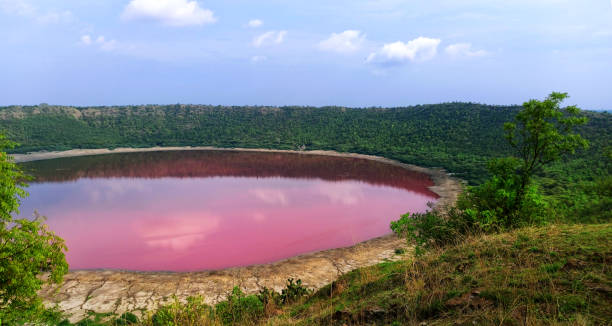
464, 50
176, 13
26, 9
345, 42
269, 38
254, 23
419, 49
101, 41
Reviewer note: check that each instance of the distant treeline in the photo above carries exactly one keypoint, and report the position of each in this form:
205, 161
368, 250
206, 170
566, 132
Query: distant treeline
460, 137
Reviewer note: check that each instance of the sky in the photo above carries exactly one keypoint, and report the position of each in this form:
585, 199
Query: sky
304, 52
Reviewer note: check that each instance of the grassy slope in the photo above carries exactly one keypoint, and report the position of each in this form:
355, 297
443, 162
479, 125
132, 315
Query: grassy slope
552, 275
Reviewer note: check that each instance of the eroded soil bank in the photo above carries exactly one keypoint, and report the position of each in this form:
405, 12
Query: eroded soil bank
105, 291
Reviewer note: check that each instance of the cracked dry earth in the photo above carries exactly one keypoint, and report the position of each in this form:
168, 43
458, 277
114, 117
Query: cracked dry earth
120, 291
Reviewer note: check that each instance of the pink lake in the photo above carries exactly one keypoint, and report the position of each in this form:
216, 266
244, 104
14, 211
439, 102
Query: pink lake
202, 210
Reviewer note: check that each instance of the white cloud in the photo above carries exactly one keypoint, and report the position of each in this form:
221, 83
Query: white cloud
341, 193
259, 58
18, 7
419, 49
54, 17
25, 9
86, 39
101, 41
464, 49
169, 12
254, 23
106, 45
271, 196
345, 42
178, 232
271, 37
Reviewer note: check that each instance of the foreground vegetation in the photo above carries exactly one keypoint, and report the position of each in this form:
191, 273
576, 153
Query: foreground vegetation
531, 276
27, 250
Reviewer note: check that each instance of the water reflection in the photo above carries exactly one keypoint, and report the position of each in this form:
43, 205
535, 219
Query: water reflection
186, 211
228, 163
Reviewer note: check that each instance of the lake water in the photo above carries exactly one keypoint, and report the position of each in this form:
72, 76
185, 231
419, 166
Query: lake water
196, 210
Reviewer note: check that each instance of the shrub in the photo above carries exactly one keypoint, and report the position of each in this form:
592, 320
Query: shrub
239, 308
193, 312
434, 229
424, 229
293, 291
492, 205
28, 248
127, 318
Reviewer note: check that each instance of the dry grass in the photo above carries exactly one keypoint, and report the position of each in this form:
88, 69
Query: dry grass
557, 275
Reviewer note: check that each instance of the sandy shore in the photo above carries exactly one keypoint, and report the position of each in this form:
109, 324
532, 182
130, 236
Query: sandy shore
120, 291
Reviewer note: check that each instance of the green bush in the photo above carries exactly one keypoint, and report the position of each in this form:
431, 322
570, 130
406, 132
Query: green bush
423, 229
293, 291
492, 205
127, 318
435, 228
193, 312
239, 308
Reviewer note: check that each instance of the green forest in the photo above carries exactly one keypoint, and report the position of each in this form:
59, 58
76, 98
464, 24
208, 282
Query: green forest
460, 137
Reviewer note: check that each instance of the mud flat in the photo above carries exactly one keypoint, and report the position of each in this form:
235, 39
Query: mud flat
104, 291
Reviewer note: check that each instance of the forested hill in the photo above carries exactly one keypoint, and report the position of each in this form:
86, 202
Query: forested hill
457, 136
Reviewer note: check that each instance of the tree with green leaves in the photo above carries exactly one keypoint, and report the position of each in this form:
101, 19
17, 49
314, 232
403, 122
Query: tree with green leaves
30, 254
542, 133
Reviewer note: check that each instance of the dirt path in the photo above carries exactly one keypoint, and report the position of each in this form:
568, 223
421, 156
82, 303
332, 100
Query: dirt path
105, 291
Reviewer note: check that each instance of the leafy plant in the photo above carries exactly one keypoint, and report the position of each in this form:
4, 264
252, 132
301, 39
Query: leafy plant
239, 308
293, 291
542, 133
192, 312
30, 254
127, 318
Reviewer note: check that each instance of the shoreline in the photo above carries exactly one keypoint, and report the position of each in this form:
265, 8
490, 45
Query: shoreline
118, 291
445, 186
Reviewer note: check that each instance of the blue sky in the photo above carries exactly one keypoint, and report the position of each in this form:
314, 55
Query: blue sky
280, 52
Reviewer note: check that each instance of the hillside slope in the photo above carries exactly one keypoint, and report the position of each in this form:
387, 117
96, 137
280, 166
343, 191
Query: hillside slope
551, 275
